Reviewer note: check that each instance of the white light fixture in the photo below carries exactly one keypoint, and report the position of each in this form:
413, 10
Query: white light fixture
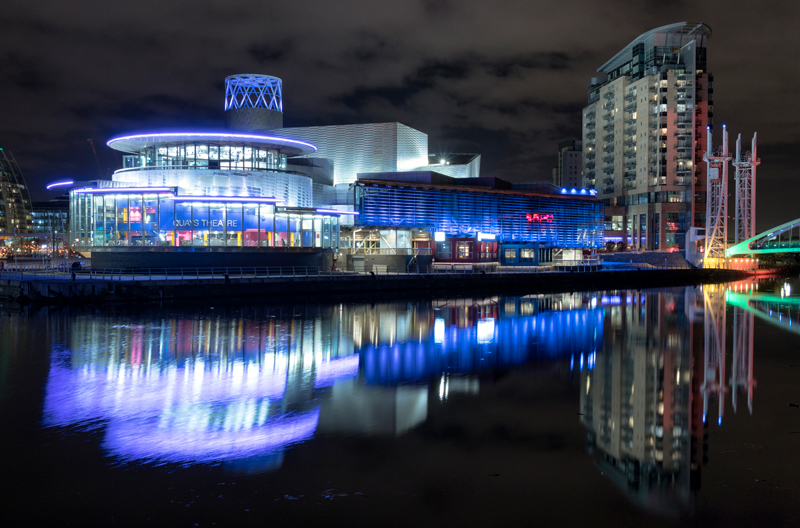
438, 236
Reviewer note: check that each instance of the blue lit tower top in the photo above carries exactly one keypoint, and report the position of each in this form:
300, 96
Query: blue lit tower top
253, 102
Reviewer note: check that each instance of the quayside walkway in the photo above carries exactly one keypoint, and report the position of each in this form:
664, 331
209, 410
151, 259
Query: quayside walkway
141, 285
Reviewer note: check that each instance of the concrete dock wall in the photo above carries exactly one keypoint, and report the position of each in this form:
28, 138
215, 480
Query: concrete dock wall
101, 291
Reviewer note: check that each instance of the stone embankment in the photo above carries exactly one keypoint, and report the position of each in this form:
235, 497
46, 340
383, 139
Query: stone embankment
66, 291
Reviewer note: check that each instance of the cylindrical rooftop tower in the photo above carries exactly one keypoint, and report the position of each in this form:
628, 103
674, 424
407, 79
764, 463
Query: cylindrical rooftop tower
253, 102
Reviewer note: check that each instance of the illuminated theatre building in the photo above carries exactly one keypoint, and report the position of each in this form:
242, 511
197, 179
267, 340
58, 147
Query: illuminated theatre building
258, 194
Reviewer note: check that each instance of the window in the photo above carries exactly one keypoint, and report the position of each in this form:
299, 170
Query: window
464, 250
510, 253
444, 250
527, 255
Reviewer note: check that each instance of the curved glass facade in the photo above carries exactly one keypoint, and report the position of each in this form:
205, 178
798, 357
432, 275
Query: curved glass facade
224, 155
157, 217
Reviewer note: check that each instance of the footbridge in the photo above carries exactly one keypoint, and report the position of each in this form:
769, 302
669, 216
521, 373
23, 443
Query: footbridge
781, 239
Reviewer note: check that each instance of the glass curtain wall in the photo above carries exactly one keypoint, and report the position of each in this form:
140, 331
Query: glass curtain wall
130, 220
228, 156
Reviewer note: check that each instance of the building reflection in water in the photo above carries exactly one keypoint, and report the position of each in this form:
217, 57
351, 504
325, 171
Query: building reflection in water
645, 397
242, 385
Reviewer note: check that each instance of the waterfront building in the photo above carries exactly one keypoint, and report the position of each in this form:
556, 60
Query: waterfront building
469, 221
644, 132
569, 171
49, 222
262, 194
15, 202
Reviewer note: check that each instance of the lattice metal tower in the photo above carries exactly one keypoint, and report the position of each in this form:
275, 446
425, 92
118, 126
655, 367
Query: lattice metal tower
745, 178
253, 102
717, 198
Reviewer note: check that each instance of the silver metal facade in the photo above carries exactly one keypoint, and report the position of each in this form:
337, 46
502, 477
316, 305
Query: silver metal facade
371, 147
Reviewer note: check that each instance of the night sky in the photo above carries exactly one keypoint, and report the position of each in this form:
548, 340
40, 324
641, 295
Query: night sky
506, 79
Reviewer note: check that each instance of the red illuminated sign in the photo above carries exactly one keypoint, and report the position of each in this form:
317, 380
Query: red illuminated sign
536, 217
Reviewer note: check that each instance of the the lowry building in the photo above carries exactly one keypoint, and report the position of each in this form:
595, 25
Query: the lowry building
258, 194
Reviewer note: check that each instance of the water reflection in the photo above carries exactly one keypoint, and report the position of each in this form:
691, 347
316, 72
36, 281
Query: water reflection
645, 399
245, 384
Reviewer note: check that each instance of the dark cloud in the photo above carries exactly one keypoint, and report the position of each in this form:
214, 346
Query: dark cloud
428, 75
271, 52
506, 78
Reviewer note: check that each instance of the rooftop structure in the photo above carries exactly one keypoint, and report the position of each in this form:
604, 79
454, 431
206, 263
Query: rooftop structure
369, 147
253, 102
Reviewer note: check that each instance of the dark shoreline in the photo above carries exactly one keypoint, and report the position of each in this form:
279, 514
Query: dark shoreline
349, 288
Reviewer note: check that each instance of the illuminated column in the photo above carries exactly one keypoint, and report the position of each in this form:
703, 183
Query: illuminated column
745, 164
717, 198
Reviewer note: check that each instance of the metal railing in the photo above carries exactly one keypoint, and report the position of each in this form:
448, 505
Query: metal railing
166, 274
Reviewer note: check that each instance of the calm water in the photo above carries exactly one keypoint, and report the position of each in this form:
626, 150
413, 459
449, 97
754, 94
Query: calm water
653, 407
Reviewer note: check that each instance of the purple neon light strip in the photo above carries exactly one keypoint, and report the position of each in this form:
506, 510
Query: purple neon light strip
211, 134
226, 199
334, 211
59, 184
144, 190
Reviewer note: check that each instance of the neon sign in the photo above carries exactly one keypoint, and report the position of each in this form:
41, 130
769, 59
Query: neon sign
536, 217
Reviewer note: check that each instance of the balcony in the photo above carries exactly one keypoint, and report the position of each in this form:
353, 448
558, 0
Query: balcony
630, 142
630, 107
683, 181
608, 95
609, 180
590, 136
608, 169
629, 185
608, 189
630, 96
608, 137
630, 165
608, 106
609, 127
629, 175
683, 121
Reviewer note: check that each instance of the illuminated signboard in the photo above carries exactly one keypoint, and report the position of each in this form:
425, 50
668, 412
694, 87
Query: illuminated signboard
536, 217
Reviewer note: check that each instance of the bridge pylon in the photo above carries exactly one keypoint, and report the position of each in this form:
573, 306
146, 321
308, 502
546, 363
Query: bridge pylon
745, 164
716, 241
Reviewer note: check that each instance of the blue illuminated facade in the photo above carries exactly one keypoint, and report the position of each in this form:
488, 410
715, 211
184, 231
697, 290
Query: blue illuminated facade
561, 221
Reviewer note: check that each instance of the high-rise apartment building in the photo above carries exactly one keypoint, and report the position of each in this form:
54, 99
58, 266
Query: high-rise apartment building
15, 202
568, 173
644, 132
